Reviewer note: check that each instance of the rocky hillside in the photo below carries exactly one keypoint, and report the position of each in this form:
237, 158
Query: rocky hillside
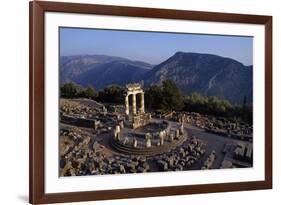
206, 74
100, 70
192, 72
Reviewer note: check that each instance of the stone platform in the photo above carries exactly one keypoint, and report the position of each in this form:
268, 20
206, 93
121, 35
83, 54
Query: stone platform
130, 150
152, 139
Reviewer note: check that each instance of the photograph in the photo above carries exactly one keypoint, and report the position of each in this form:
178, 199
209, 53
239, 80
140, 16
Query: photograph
133, 102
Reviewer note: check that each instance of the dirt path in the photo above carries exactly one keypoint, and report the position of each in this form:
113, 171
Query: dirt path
213, 142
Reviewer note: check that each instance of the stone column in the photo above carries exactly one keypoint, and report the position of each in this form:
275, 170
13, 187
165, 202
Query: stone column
181, 129
134, 104
135, 143
148, 143
142, 103
127, 105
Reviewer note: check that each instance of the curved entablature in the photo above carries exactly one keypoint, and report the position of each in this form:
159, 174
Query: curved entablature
133, 86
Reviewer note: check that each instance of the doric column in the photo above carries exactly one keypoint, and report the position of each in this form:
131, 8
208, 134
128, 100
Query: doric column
142, 103
134, 104
127, 105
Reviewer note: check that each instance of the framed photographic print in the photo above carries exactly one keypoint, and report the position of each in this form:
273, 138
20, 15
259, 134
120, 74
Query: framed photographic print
139, 102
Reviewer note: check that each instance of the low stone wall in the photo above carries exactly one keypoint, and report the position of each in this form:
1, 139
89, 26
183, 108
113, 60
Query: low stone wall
141, 120
154, 150
144, 143
77, 121
155, 134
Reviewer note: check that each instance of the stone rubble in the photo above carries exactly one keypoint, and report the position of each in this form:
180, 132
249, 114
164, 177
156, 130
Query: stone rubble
217, 125
181, 158
77, 159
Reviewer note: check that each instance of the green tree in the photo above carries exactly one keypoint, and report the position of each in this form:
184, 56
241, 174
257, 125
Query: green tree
112, 94
207, 105
71, 90
91, 93
68, 90
153, 97
166, 97
172, 98
88, 92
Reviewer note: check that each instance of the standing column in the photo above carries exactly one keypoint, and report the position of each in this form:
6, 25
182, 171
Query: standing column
142, 103
127, 105
134, 104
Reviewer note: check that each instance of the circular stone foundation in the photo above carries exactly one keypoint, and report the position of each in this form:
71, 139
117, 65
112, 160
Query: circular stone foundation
170, 133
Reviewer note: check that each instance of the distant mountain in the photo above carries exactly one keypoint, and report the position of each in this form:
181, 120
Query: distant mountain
100, 70
210, 75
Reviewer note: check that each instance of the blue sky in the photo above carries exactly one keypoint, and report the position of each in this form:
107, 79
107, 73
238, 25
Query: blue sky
152, 47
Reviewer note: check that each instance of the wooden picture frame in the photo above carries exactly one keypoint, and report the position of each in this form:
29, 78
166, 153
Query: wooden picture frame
37, 98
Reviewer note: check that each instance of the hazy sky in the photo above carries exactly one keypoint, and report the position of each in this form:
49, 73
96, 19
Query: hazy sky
152, 47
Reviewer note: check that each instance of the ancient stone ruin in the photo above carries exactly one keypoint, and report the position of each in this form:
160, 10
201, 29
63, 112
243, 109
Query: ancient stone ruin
104, 138
141, 134
138, 117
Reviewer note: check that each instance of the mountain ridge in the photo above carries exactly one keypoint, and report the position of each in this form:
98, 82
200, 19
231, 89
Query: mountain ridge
207, 74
